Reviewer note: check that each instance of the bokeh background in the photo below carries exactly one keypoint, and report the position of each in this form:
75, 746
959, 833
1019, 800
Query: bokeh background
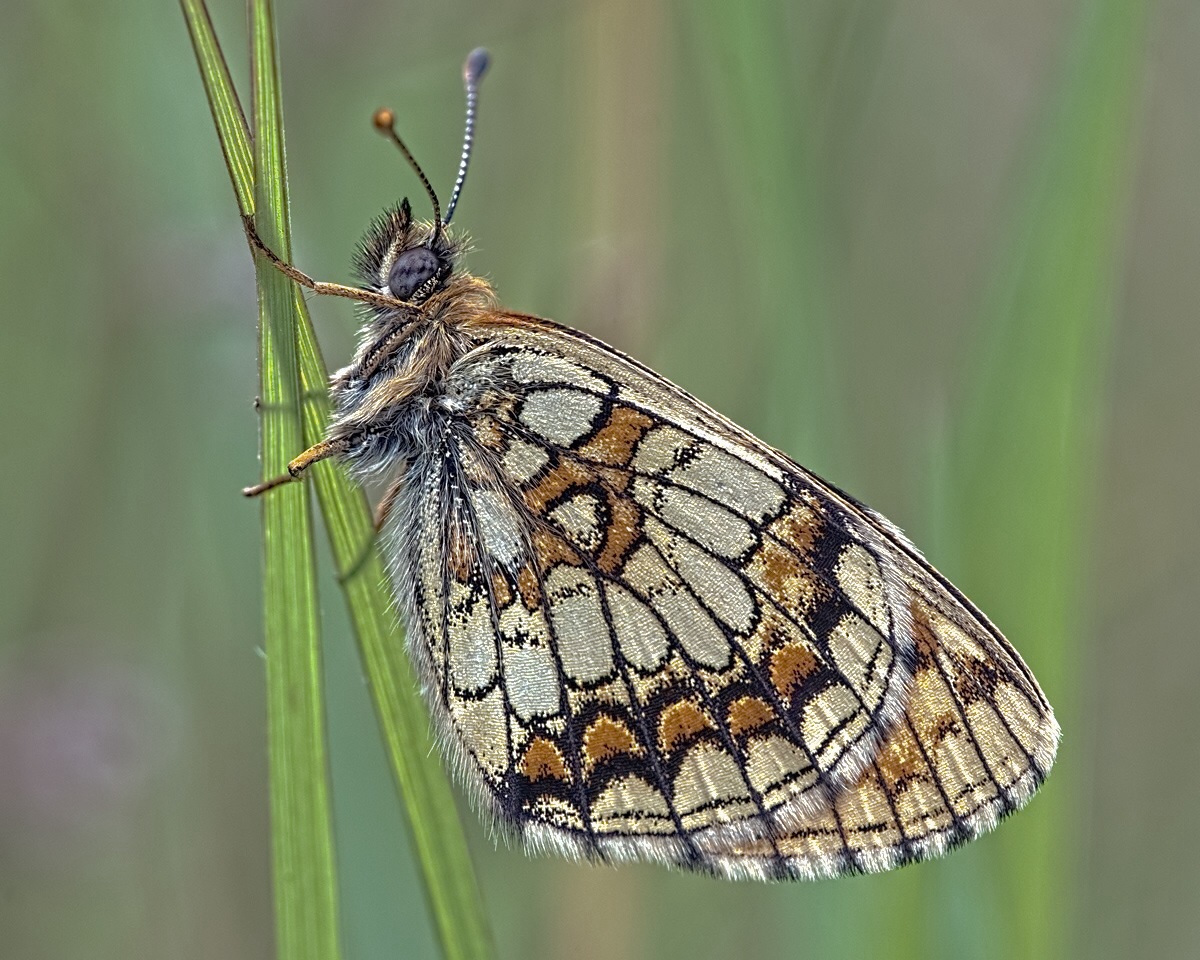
944, 253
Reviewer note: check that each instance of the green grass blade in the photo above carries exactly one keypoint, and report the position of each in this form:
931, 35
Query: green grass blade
305, 877
449, 880
1024, 456
228, 117
765, 129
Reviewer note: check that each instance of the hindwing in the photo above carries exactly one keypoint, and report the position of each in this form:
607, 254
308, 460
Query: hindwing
648, 635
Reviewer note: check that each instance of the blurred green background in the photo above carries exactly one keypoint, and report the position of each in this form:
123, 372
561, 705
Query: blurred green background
944, 254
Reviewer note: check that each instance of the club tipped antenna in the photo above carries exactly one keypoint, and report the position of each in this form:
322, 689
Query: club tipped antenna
385, 123
473, 71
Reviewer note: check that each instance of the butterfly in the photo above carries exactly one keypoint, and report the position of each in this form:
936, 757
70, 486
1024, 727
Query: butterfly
644, 634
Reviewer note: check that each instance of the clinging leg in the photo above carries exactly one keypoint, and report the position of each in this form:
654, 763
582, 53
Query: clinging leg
321, 451
317, 286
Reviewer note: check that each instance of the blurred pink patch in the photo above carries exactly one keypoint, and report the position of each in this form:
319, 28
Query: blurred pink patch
80, 744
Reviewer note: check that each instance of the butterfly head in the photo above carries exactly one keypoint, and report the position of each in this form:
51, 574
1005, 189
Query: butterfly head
407, 259
415, 273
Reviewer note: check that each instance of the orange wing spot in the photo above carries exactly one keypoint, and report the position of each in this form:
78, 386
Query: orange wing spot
607, 738
499, 408
531, 594
932, 725
622, 533
543, 760
459, 556
931, 715
615, 478
551, 550
748, 713
488, 434
679, 721
614, 443
564, 476
785, 577
900, 759
790, 665
924, 640
501, 590
800, 528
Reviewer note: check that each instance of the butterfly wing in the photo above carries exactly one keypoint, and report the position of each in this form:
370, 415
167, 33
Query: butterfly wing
649, 635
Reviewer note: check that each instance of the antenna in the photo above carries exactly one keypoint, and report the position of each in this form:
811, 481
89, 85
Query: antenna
473, 71
385, 123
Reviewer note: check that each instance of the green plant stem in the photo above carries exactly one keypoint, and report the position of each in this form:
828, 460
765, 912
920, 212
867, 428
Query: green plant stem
305, 880
449, 880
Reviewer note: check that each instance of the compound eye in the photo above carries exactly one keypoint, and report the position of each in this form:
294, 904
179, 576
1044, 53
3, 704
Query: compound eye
412, 269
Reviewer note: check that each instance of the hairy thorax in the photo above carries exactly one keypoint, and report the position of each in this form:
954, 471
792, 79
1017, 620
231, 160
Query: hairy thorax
391, 398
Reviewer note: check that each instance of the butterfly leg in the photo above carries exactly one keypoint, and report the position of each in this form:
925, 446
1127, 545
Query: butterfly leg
317, 286
321, 451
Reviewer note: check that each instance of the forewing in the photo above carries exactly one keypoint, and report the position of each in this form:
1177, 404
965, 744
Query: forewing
656, 637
